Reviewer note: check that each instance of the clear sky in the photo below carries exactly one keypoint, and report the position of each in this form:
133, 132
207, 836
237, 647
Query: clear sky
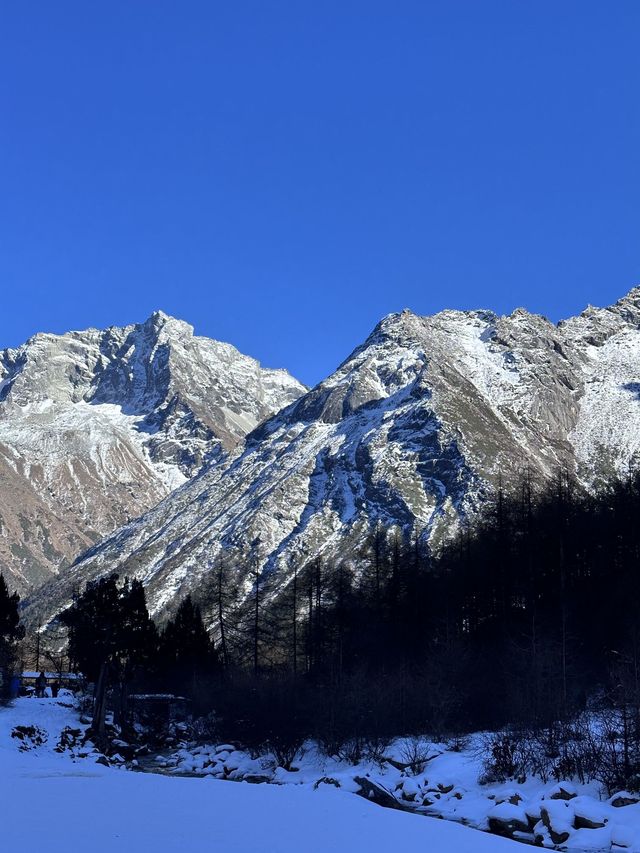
282, 174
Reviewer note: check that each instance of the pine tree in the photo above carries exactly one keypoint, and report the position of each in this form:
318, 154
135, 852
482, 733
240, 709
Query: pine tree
187, 653
111, 635
11, 632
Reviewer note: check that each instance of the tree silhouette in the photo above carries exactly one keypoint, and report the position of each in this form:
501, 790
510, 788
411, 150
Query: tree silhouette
11, 632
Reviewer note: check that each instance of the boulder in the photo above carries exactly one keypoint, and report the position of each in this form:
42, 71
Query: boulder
507, 819
234, 760
541, 835
563, 791
121, 750
622, 836
256, 778
376, 793
558, 818
583, 822
410, 790
624, 798
589, 814
533, 812
513, 797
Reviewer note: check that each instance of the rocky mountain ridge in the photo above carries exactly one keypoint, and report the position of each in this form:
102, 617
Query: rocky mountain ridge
98, 426
414, 429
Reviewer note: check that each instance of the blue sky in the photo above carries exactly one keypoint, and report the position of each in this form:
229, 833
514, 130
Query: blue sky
282, 174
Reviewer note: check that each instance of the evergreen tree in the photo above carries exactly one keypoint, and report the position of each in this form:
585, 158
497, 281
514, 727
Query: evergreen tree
11, 632
188, 659
111, 636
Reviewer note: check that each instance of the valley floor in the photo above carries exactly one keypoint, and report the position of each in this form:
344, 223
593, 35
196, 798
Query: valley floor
57, 802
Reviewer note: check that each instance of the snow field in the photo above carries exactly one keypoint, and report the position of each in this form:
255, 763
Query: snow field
54, 802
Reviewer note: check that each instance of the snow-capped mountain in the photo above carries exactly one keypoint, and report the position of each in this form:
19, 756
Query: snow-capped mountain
414, 428
98, 426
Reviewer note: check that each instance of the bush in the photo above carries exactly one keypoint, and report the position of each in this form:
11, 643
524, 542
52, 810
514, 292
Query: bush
415, 754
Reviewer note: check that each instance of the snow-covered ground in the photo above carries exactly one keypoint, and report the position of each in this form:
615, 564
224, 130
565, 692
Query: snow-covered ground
57, 802
55, 794
562, 816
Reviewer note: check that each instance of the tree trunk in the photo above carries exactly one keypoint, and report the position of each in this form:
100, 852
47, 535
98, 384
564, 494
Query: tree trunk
100, 705
256, 621
122, 707
295, 621
223, 639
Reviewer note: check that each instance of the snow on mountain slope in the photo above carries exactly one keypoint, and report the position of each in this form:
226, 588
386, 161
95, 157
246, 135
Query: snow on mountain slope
606, 436
414, 429
98, 426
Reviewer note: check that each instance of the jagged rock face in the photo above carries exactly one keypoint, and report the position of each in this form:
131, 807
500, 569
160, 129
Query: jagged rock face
414, 428
98, 426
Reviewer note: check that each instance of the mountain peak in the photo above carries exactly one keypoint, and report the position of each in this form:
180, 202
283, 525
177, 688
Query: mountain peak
160, 321
97, 426
398, 324
634, 293
629, 306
